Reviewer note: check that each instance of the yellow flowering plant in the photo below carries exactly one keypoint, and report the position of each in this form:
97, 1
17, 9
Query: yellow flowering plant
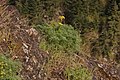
59, 37
61, 18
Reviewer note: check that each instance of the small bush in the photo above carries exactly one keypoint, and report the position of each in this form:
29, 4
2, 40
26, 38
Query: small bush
8, 69
78, 73
59, 37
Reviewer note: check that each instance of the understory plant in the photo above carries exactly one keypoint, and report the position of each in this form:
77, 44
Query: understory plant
78, 73
9, 69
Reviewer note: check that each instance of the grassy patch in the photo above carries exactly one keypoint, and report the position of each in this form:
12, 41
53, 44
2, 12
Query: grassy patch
78, 73
9, 69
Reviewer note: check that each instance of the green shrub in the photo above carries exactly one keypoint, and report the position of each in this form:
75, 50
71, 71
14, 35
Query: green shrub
59, 37
78, 73
9, 69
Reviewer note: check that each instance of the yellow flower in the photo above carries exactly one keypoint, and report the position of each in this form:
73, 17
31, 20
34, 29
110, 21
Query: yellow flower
61, 18
60, 23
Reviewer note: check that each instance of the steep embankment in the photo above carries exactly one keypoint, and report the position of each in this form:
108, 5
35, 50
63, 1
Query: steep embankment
20, 41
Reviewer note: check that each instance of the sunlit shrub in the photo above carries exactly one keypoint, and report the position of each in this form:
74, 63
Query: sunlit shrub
59, 37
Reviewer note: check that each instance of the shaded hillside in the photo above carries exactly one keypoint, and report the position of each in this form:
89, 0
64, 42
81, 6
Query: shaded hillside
60, 39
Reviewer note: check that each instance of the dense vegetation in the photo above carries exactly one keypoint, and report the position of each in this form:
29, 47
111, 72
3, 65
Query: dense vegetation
69, 30
59, 37
100, 16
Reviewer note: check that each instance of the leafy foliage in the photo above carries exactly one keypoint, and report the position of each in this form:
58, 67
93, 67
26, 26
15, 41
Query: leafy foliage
38, 11
109, 37
101, 16
60, 38
83, 14
9, 69
78, 73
